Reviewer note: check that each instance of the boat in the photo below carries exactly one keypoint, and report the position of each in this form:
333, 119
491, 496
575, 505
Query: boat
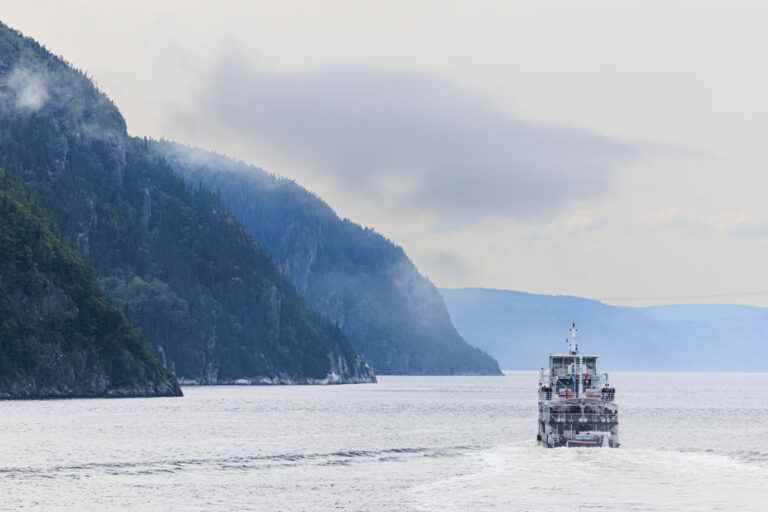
577, 405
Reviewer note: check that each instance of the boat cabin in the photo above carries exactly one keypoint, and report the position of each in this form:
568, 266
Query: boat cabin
568, 364
572, 375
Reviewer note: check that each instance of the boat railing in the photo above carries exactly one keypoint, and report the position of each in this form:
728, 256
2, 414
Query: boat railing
583, 418
606, 395
595, 386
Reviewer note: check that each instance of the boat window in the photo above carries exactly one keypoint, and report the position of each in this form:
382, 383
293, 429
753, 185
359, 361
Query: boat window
561, 365
564, 383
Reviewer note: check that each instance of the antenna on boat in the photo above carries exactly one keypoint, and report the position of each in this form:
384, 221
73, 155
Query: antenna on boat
572, 334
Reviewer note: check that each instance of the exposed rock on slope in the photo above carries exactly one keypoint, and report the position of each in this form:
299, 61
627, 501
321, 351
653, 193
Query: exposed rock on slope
352, 275
59, 337
211, 303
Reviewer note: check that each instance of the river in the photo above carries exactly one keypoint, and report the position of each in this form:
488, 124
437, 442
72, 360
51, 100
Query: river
690, 441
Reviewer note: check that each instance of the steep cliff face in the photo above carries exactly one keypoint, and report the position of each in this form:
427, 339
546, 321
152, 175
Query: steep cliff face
59, 337
352, 275
210, 302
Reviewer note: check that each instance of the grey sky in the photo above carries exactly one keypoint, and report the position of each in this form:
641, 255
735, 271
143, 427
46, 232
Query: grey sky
411, 142
605, 151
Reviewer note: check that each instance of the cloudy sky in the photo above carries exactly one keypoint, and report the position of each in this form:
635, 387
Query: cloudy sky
615, 151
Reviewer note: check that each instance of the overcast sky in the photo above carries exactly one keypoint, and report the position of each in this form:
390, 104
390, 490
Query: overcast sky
613, 152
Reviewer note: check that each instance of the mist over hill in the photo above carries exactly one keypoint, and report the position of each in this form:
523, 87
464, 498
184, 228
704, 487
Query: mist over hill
351, 275
209, 301
520, 329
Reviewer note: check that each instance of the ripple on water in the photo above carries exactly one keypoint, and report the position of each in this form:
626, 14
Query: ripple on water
691, 442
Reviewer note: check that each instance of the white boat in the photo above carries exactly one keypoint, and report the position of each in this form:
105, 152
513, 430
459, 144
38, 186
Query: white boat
576, 403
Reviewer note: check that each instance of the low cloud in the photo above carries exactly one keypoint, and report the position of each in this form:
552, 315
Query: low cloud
446, 266
32, 86
25, 90
411, 141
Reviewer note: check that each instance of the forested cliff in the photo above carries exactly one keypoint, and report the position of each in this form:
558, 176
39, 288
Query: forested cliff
209, 301
352, 275
59, 336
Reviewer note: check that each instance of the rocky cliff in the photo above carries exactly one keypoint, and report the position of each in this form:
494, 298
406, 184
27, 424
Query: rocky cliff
59, 337
353, 276
209, 301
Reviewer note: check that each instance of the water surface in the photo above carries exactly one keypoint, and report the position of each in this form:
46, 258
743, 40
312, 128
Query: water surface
690, 442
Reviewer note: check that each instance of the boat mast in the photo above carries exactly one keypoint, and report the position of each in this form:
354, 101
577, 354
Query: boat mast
573, 347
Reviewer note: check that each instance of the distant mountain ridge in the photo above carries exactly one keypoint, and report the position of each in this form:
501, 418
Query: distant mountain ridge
353, 276
520, 329
211, 303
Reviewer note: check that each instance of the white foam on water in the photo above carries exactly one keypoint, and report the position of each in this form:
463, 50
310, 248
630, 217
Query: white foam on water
530, 478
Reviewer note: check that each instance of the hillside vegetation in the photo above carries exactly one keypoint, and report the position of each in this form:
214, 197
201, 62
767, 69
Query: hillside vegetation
351, 275
210, 302
59, 337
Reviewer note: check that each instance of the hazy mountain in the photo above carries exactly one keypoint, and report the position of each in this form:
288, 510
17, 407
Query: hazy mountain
353, 276
59, 337
210, 302
520, 329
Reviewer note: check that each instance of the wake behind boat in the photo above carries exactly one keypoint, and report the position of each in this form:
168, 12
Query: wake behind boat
576, 404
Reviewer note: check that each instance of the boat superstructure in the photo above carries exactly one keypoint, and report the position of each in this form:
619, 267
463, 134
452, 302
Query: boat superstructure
576, 402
